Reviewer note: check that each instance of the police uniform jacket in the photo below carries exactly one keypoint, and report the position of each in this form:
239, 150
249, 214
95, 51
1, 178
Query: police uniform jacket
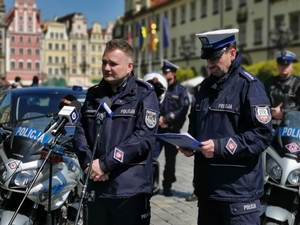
124, 147
285, 91
234, 112
174, 108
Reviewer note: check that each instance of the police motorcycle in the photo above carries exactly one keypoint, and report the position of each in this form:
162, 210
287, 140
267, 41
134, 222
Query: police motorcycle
40, 176
282, 174
160, 85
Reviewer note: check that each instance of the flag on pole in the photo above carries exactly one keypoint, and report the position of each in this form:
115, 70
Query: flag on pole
142, 37
129, 35
165, 32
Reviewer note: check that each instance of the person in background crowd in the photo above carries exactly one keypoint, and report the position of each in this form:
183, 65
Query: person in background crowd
121, 171
283, 90
35, 82
4, 84
173, 111
17, 83
232, 120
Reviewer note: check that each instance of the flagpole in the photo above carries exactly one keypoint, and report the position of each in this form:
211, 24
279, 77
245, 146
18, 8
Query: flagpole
161, 45
139, 64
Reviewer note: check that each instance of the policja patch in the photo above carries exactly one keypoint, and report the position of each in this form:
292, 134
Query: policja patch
118, 155
151, 118
263, 114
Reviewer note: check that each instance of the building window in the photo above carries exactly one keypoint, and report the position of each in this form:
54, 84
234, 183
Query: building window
50, 46
63, 47
12, 39
242, 3
93, 60
203, 9
73, 71
174, 17
29, 51
193, 10
37, 52
50, 71
12, 51
295, 25
51, 35
56, 71
28, 65
63, 59
258, 32
20, 65
74, 59
93, 48
29, 28
37, 40
56, 59
183, 13
74, 47
20, 39
20, 27
37, 65
228, 4
50, 59
56, 47
21, 51
29, 39
216, 6
83, 48
12, 65
174, 47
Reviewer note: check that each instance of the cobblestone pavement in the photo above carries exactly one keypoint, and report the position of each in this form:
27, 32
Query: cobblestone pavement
175, 210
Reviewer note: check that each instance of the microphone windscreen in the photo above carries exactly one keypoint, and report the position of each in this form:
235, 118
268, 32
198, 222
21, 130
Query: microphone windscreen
76, 104
67, 100
107, 101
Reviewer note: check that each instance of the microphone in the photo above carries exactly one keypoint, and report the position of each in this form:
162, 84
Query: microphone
104, 108
67, 100
68, 114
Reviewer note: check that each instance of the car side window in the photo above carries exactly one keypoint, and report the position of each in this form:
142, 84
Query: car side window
5, 108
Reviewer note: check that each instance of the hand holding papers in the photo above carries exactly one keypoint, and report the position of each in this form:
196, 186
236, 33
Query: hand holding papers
183, 140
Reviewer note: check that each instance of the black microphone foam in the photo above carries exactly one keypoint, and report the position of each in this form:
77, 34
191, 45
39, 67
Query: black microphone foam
76, 104
67, 100
107, 101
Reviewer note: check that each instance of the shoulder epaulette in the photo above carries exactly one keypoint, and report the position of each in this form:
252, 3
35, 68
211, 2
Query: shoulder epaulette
249, 77
144, 83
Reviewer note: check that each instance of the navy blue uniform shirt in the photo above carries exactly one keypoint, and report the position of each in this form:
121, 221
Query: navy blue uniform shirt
125, 144
234, 112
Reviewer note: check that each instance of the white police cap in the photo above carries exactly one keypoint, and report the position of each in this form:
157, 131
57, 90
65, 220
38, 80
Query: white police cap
214, 43
285, 57
167, 67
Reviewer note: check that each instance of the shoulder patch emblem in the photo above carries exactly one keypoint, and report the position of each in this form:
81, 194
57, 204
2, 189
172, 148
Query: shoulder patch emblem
231, 146
151, 119
263, 114
118, 155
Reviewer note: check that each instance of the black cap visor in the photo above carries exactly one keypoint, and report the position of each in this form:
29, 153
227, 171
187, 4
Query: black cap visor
283, 62
209, 54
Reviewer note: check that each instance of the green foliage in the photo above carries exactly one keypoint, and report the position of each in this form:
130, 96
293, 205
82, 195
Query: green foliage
265, 69
183, 74
56, 82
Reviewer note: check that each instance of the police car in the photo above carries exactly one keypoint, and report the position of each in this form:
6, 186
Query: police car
15, 103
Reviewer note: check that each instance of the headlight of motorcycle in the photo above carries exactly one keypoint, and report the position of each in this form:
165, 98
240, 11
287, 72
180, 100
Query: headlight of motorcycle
273, 169
3, 172
22, 179
294, 177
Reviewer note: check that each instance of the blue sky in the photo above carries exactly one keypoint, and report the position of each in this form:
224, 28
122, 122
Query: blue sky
101, 11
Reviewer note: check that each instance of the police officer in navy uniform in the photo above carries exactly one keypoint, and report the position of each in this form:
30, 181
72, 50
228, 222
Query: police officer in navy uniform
121, 171
173, 111
283, 90
232, 119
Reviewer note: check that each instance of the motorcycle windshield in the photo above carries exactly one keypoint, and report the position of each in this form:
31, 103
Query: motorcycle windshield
28, 137
286, 140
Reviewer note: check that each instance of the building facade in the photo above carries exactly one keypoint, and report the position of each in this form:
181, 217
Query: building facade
55, 58
2, 39
23, 41
265, 26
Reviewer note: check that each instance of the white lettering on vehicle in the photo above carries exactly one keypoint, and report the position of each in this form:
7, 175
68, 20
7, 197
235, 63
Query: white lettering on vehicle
30, 133
290, 132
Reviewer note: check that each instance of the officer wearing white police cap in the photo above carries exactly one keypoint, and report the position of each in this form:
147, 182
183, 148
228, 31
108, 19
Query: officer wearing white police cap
232, 120
283, 90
